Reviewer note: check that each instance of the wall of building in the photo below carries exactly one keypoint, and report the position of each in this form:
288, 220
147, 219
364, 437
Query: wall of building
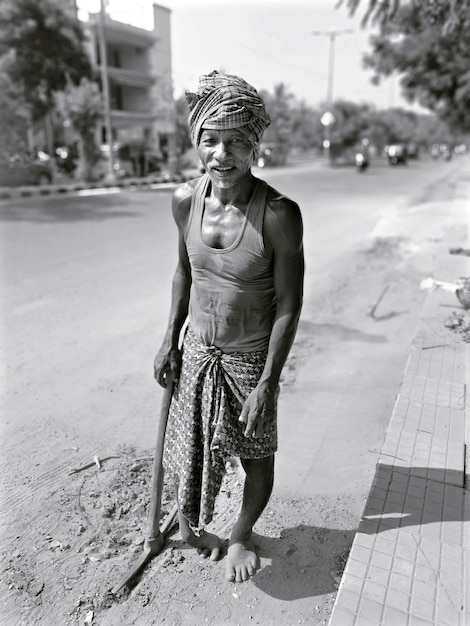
129, 58
136, 100
154, 98
162, 91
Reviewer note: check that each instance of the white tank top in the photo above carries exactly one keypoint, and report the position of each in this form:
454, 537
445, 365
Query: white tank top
232, 301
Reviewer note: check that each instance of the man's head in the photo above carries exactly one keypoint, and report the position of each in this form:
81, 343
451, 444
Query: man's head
225, 102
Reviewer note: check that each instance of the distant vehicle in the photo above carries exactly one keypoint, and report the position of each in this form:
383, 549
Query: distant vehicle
122, 167
441, 151
446, 151
362, 161
19, 170
413, 150
66, 158
271, 155
397, 154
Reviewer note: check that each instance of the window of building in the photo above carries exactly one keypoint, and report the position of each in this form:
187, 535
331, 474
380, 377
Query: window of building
116, 97
115, 57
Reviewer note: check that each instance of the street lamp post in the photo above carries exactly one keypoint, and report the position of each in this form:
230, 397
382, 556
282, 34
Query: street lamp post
328, 118
105, 87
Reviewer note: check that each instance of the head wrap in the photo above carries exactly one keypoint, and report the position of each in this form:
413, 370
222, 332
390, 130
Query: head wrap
223, 101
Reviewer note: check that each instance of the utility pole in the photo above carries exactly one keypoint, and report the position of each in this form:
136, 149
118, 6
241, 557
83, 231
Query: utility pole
328, 118
105, 88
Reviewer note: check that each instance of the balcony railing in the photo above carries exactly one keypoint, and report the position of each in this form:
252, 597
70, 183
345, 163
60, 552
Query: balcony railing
124, 118
132, 78
117, 32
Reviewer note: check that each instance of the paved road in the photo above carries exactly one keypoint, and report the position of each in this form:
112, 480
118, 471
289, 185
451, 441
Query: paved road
85, 287
85, 295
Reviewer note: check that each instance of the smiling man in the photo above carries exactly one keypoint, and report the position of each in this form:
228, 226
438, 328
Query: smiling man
239, 284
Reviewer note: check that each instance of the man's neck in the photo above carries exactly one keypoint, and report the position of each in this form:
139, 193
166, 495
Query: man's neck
238, 194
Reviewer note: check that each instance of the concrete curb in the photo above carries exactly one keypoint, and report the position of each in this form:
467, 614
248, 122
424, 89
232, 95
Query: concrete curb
130, 184
30, 191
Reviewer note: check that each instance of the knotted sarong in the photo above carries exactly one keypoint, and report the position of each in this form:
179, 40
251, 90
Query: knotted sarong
203, 430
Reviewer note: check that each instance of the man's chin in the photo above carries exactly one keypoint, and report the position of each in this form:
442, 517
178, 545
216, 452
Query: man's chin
223, 181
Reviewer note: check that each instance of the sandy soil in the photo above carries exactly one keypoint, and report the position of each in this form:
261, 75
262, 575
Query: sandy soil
92, 527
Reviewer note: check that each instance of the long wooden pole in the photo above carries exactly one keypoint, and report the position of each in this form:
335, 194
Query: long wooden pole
105, 88
155, 532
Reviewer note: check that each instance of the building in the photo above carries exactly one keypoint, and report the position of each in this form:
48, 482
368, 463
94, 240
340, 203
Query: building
137, 65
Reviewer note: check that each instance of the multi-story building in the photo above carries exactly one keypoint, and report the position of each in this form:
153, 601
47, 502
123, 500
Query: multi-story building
138, 72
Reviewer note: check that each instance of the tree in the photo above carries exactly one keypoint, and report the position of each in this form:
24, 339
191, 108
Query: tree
45, 50
307, 131
428, 45
351, 120
447, 13
279, 105
183, 139
82, 106
14, 118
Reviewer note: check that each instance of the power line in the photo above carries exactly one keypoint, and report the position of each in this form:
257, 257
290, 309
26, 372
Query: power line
277, 60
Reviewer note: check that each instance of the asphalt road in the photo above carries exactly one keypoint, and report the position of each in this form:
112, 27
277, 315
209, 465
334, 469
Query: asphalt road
85, 288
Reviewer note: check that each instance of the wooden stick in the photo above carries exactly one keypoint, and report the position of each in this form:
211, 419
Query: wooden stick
155, 533
151, 549
153, 529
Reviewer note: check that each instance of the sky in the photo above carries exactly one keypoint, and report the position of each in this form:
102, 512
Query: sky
266, 42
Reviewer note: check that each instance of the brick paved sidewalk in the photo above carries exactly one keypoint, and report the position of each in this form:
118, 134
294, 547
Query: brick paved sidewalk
410, 561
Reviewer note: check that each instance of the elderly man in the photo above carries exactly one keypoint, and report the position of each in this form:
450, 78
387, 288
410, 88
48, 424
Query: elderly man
239, 281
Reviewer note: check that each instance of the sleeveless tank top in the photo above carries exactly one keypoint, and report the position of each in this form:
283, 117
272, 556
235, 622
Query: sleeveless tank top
232, 300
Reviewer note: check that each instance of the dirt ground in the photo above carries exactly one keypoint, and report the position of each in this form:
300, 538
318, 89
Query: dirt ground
62, 569
93, 526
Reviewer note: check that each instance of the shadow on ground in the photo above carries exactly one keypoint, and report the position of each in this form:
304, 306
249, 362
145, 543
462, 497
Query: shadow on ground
403, 497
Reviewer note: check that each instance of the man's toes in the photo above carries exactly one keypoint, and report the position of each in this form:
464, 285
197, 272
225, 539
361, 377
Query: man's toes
242, 575
215, 554
230, 573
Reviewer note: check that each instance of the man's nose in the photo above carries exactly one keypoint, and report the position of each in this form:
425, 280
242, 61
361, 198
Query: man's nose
221, 149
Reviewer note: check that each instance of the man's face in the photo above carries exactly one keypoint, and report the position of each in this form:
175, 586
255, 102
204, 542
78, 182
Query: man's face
227, 156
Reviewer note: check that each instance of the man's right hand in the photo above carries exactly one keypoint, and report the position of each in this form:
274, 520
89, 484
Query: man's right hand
165, 362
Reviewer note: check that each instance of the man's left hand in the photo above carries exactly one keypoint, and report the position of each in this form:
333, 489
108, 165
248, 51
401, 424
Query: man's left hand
259, 411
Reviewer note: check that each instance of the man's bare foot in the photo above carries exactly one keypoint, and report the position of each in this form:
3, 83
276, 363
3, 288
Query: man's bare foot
207, 544
242, 561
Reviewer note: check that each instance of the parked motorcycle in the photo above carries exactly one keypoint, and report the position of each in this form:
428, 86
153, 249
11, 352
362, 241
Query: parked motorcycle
362, 161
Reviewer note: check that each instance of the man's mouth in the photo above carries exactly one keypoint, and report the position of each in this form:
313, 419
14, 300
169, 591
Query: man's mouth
222, 169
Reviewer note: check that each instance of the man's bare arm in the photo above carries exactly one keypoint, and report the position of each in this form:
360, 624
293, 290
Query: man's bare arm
283, 227
169, 357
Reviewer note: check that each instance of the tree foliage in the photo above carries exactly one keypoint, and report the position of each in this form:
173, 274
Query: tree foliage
279, 105
299, 125
81, 105
183, 139
43, 46
428, 45
447, 14
351, 121
14, 117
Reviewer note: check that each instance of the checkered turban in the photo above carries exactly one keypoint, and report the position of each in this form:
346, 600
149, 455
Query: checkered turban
223, 101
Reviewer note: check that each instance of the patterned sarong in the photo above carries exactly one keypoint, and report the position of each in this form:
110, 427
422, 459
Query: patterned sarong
203, 428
